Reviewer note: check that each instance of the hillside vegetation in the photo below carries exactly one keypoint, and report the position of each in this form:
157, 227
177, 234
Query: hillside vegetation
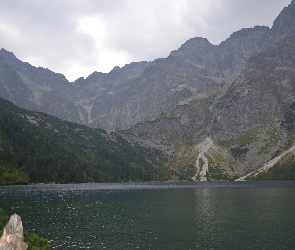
36, 147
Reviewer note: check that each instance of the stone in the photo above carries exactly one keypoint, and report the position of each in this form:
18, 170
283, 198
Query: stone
13, 238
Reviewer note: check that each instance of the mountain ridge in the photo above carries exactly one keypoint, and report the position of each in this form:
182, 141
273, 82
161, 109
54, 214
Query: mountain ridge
239, 94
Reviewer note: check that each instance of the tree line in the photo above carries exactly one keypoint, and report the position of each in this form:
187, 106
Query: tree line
52, 150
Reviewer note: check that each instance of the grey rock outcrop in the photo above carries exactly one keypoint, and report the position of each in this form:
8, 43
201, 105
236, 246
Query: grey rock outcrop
12, 238
285, 22
140, 91
261, 94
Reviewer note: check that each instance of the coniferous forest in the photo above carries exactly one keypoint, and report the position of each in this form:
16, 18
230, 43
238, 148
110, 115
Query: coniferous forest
39, 148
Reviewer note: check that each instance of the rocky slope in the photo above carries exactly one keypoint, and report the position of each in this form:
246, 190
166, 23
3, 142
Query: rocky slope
136, 92
238, 94
249, 116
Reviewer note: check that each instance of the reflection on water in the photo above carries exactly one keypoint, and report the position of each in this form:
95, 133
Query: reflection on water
205, 211
256, 218
216, 215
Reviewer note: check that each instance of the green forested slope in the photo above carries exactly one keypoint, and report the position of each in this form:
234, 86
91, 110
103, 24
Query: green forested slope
43, 148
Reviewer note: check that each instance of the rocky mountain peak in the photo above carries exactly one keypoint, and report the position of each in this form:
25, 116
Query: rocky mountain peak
4, 52
115, 69
93, 77
285, 22
7, 57
195, 43
246, 32
80, 80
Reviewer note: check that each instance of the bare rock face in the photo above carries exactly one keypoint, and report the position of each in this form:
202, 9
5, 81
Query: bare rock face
12, 238
142, 91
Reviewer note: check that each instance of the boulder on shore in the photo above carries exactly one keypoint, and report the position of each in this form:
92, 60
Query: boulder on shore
13, 238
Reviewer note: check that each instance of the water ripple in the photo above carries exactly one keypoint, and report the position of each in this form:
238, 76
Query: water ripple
218, 215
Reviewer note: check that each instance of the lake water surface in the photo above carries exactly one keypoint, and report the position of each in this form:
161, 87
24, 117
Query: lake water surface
197, 215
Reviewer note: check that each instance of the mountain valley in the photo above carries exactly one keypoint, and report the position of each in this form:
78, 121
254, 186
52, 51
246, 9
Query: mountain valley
206, 112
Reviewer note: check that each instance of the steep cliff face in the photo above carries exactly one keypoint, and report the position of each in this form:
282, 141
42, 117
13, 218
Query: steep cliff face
249, 116
262, 92
100, 95
285, 22
34, 88
84, 101
193, 72
136, 92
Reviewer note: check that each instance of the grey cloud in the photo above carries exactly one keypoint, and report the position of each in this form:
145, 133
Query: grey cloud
47, 30
227, 16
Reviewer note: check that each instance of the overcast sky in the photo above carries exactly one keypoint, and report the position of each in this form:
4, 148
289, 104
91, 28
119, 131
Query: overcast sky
77, 37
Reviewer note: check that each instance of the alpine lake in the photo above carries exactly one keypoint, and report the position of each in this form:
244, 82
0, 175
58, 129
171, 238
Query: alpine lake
188, 215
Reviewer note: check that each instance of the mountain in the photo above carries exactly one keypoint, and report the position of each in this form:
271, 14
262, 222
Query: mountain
47, 149
40, 89
216, 111
134, 93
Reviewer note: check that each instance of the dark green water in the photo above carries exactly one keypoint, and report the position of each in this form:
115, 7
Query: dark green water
203, 215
